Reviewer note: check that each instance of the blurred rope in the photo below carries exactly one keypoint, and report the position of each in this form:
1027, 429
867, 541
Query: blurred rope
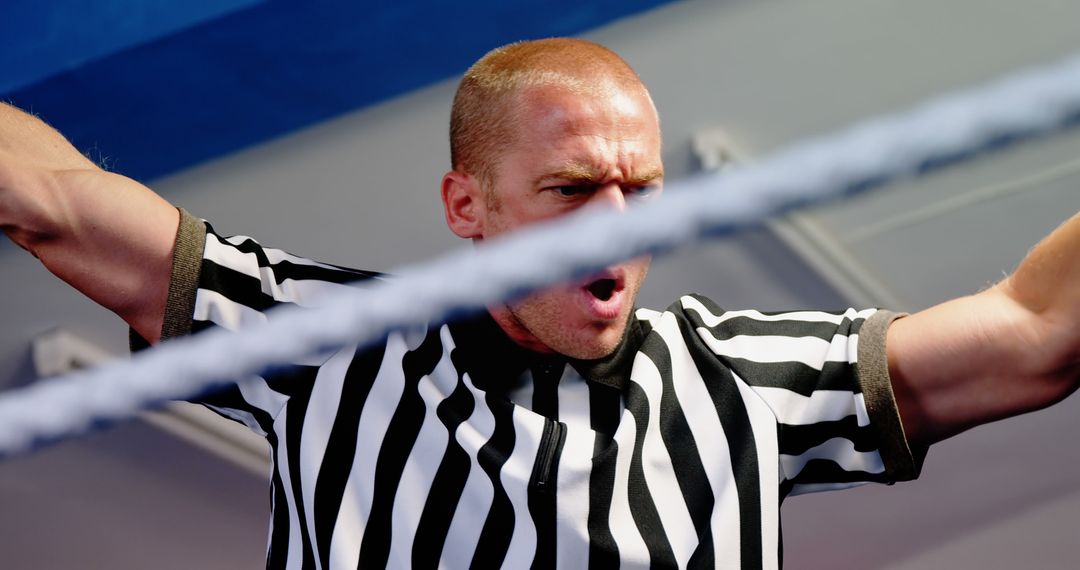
942, 131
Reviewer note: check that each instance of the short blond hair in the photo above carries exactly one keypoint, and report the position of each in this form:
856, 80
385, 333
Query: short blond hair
485, 107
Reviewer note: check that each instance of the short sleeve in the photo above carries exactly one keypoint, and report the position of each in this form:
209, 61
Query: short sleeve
233, 280
824, 377
230, 282
903, 461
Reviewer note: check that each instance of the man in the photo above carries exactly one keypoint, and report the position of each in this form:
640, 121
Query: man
567, 428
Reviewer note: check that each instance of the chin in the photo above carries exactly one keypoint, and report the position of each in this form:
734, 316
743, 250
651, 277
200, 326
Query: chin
594, 354
590, 351
591, 341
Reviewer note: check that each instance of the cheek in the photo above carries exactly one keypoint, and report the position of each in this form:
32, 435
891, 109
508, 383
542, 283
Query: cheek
496, 223
640, 268
499, 220
520, 209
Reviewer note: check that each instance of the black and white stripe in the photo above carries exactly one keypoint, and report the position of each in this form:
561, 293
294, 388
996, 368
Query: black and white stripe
453, 447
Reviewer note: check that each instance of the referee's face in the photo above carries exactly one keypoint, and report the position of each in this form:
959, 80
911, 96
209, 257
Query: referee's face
574, 150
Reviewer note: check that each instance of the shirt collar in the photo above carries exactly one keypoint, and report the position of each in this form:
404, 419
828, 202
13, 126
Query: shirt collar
495, 362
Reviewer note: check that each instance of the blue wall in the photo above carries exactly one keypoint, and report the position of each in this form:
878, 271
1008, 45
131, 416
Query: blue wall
148, 88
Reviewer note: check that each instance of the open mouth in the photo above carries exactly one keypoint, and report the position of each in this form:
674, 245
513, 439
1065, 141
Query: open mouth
602, 289
602, 297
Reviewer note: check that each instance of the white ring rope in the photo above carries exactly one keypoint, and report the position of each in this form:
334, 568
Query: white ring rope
941, 131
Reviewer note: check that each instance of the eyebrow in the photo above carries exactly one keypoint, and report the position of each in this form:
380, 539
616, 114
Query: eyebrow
582, 174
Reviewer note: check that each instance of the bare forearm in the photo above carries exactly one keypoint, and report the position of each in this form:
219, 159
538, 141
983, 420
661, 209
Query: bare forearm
106, 235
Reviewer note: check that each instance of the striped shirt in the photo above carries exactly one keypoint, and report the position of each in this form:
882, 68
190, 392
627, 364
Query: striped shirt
454, 447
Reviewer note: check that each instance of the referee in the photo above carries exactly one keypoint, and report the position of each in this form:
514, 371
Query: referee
570, 428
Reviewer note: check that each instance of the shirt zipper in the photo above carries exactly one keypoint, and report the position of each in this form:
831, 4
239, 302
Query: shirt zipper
545, 469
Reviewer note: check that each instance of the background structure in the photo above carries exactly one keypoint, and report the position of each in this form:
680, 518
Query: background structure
320, 127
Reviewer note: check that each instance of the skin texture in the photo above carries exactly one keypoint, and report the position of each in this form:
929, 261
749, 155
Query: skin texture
571, 151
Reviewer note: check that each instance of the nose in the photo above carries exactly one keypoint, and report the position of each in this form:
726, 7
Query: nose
610, 195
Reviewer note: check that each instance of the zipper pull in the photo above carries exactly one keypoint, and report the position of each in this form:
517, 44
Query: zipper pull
546, 467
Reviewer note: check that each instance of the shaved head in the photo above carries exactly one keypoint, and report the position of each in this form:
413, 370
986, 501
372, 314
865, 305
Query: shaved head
538, 130
485, 110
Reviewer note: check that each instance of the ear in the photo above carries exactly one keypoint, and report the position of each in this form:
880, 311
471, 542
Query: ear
463, 203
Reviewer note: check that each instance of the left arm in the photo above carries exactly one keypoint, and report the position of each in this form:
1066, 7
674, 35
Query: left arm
1010, 349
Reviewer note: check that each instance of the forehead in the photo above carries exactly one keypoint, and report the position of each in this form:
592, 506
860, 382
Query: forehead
556, 109
603, 123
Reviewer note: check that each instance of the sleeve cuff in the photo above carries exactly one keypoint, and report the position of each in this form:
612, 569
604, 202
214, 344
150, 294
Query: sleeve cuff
902, 463
183, 281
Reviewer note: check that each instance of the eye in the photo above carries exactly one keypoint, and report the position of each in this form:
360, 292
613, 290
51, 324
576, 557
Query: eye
572, 190
641, 191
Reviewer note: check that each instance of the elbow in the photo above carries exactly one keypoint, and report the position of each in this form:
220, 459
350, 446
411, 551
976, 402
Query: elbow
1044, 345
31, 241
1061, 361
1066, 380
1054, 376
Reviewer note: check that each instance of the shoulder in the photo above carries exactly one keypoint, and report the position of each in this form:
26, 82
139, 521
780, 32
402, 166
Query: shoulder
703, 314
226, 280
246, 254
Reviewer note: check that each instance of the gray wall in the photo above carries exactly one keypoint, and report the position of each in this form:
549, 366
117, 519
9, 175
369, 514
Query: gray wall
362, 191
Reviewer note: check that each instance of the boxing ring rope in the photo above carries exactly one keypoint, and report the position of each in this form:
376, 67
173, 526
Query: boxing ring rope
942, 131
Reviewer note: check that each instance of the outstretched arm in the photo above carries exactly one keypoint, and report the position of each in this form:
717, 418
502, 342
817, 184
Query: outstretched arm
104, 234
1007, 350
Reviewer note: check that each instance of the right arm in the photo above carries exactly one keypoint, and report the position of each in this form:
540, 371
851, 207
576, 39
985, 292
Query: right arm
104, 234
